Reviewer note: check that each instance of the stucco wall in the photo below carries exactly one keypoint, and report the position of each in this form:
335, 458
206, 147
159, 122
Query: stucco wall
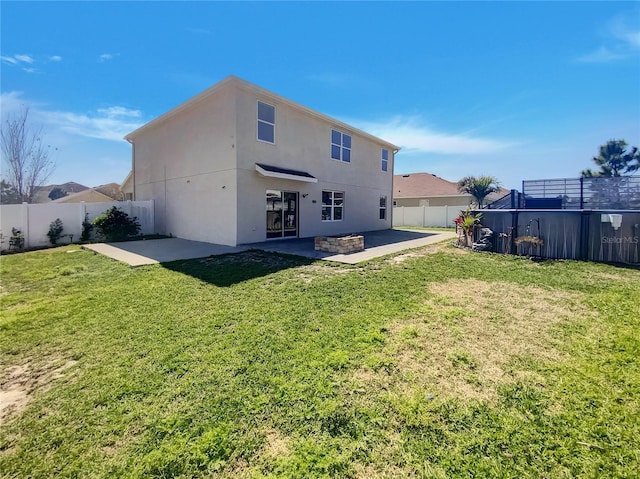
303, 143
199, 167
187, 165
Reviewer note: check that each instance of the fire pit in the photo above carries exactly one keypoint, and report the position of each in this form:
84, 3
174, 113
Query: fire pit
339, 244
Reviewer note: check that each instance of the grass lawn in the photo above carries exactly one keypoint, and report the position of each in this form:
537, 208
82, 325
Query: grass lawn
436, 363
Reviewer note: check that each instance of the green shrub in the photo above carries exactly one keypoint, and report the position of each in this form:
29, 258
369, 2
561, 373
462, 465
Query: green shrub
55, 231
116, 225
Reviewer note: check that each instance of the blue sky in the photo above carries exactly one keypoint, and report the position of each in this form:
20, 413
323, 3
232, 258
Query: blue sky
511, 89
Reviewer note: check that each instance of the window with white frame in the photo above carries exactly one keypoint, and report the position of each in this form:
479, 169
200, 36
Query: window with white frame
385, 159
340, 146
266, 122
383, 207
332, 205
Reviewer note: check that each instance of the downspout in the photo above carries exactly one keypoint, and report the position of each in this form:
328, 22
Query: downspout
133, 166
393, 165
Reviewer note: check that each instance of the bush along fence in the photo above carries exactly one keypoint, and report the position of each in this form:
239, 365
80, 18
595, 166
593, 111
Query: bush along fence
27, 226
609, 236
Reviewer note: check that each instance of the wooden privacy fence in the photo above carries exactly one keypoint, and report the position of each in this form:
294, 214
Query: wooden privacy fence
33, 220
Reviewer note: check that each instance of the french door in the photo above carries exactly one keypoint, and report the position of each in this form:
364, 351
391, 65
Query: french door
282, 214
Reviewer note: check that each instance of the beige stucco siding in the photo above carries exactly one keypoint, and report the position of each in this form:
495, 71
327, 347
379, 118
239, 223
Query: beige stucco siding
183, 164
302, 142
198, 162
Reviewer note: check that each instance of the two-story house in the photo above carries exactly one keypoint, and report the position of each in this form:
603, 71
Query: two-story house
238, 164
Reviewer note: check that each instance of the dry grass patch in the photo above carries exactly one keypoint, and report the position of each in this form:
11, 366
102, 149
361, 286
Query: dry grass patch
314, 271
21, 382
401, 258
276, 445
424, 251
470, 338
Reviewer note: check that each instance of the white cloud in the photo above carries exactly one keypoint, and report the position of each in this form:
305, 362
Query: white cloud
107, 56
24, 58
621, 40
102, 124
26, 61
111, 123
414, 137
89, 146
602, 55
625, 29
17, 59
116, 111
9, 60
12, 102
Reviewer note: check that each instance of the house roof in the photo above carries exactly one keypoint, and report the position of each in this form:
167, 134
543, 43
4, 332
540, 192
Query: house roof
112, 190
426, 185
91, 195
41, 194
233, 80
421, 185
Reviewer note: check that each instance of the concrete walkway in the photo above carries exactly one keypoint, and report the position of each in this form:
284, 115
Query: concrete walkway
377, 243
139, 253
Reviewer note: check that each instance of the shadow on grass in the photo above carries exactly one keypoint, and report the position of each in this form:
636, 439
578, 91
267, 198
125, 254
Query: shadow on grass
228, 270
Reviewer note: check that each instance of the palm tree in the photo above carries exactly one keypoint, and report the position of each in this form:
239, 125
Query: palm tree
480, 187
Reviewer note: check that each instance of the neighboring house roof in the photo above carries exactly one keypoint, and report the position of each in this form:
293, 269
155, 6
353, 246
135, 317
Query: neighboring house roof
428, 185
233, 80
41, 194
112, 190
91, 195
423, 185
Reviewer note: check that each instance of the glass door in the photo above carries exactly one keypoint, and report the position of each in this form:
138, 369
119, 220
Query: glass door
290, 215
282, 214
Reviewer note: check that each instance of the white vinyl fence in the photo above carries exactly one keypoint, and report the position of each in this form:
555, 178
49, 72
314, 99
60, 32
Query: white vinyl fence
425, 216
33, 220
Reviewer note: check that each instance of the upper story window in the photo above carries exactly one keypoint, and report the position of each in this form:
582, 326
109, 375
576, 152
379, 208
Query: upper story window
266, 122
340, 146
385, 159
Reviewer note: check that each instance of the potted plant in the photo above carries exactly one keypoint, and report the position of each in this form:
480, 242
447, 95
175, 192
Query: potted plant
465, 223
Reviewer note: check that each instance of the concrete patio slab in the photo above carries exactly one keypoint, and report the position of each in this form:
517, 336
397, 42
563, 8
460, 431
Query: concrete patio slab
139, 253
376, 243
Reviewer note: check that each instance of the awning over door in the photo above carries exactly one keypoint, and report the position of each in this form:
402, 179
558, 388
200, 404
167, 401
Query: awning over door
284, 173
